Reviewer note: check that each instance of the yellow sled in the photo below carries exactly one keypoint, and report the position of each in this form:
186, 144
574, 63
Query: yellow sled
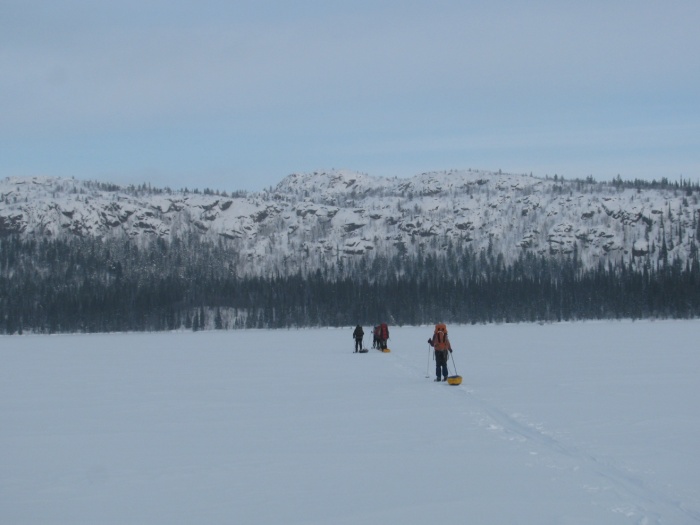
386, 350
454, 380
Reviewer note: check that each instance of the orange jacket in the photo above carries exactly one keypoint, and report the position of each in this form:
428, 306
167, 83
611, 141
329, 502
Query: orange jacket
440, 341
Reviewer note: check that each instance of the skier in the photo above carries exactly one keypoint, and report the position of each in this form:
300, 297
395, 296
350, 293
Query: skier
383, 335
375, 337
358, 334
441, 343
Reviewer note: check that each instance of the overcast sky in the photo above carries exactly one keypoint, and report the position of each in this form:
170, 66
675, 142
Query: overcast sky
238, 94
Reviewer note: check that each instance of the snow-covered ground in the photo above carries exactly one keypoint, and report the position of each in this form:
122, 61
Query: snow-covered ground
568, 423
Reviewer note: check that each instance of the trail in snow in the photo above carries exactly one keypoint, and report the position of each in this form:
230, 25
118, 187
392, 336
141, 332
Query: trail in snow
653, 502
633, 493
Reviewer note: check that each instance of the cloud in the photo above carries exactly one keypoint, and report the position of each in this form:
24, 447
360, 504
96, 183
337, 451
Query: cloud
93, 66
446, 78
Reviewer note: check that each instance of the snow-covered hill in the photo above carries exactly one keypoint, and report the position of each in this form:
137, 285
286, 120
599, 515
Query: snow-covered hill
311, 220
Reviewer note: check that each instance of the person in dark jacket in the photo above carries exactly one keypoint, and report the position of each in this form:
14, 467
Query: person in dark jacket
358, 334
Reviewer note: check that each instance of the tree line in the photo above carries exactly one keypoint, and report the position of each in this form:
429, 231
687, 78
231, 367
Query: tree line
91, 285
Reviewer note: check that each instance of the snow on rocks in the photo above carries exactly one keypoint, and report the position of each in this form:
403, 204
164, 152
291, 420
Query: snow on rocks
329, 211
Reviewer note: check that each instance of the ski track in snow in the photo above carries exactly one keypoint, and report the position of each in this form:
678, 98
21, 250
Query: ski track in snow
649, 504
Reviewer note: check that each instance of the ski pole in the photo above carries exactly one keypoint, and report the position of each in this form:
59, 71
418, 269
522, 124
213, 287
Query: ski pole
453, 363
427, 368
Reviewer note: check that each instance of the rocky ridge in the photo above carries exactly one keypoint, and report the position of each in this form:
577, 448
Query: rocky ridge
316, 219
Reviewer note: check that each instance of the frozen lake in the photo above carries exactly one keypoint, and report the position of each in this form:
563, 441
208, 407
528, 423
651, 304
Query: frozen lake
564, 423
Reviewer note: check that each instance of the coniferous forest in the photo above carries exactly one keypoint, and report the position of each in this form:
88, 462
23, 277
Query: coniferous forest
89, 285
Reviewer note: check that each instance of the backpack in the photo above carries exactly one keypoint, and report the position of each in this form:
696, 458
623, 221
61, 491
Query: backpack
384, 331
440, 335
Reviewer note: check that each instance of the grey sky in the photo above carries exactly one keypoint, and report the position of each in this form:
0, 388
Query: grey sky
236, 95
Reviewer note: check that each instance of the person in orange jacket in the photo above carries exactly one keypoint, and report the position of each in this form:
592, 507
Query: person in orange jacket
441, 343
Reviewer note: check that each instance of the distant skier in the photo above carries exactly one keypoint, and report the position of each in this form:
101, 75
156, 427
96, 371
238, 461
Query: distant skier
383, 335
441, 343
358, 334
375, 336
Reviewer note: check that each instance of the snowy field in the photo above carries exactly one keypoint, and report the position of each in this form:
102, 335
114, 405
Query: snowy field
594, 423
